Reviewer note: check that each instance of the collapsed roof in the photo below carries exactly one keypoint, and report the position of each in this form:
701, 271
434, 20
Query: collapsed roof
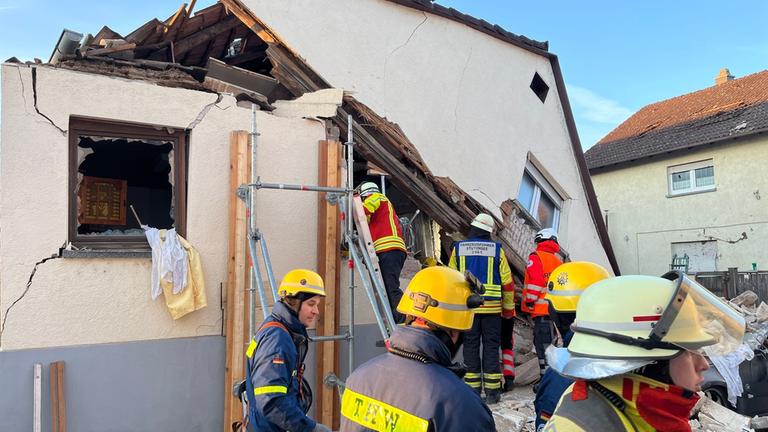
226, 48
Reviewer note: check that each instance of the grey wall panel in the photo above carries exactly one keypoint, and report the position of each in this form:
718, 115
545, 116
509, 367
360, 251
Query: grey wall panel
162, 385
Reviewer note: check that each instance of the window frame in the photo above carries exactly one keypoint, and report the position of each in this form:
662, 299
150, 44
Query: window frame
79, 126
690, 168
542, 185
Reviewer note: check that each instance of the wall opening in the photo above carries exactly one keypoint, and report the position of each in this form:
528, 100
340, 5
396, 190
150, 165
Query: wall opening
539, 87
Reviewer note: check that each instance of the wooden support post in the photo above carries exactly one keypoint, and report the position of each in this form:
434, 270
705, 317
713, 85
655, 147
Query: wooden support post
237, 276
328, 257
58, 403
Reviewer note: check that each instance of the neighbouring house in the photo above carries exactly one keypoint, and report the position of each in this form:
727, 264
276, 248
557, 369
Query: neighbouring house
454, 115
681, 181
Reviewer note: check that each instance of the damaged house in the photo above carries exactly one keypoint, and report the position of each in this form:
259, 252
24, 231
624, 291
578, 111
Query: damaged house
452, 114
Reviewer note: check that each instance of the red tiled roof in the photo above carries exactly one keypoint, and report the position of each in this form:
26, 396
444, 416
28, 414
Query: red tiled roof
692, 119
728, 96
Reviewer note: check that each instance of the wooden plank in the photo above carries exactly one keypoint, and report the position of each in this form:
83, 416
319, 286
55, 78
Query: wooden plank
172, 20
58, 403
104, 51
328, 258
203, 36
244, 78
237, 273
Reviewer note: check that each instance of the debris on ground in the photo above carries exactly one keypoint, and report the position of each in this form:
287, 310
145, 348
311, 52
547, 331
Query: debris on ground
514, 413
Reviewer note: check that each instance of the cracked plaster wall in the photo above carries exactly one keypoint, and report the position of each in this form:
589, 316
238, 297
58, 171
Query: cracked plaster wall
643, 222
460, 95
90, 301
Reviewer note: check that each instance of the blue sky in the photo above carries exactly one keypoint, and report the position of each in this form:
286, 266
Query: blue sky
616, 56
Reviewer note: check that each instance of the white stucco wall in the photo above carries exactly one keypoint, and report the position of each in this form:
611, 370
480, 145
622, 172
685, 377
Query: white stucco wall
88, 301
643, 221
460, 95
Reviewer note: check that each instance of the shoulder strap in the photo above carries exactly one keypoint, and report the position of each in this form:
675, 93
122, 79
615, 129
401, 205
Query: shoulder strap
273, 324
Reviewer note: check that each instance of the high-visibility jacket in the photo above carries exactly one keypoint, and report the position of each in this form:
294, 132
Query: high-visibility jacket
486, 260
646, 405
412, 389
275, 363
541, 263
386, 231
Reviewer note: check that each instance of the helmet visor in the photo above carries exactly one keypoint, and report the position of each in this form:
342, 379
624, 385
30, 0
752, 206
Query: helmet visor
695, 318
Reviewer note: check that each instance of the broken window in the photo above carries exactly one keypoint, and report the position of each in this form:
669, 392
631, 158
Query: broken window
117, 169
539, 198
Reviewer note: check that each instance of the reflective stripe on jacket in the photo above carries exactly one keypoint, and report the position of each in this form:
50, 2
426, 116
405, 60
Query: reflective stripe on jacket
486, 260
275, 361
593, 413
541, 263
386, 231
394, 393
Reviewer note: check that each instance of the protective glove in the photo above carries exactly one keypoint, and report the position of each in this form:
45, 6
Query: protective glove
321, 428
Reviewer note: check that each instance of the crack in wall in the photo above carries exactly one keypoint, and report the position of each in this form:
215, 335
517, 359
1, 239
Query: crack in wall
204, 112
458, 92
23, 90
413, 32
34, 98
26, 290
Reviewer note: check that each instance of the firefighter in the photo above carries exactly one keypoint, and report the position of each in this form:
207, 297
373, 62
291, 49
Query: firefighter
278, 395
485, 259
541, 263
415, 387
387, 236
635, 353
564, 289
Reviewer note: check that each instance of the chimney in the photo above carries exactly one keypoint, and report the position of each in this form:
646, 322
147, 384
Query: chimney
723, 77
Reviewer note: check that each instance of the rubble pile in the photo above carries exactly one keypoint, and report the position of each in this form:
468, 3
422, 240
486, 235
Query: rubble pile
755, 315
709, 416
515, 411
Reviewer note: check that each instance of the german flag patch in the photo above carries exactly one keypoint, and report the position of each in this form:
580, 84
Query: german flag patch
278, 361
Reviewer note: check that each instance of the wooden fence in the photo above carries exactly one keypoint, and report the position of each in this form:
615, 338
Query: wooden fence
733, 282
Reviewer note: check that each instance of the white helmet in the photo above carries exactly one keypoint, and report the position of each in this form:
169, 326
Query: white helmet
626, 322
368, 188
545, 234
484, 221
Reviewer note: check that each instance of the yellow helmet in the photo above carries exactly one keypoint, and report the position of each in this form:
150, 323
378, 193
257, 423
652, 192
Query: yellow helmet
569, 280
442, 296
301, 281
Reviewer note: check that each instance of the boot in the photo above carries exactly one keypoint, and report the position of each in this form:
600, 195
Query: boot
509, 384
492, 398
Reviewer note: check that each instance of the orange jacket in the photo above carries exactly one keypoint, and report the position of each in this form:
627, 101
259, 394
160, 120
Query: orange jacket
386, 231
541, 263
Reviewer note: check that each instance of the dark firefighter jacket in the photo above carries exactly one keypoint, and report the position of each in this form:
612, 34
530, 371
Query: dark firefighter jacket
275, 364
412, 391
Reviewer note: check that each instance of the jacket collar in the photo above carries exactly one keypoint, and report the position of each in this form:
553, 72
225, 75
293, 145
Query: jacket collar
287, 317
422, 342
548, 246
661, 404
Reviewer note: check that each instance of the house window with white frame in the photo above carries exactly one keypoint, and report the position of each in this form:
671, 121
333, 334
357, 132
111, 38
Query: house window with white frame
539, 198
691, 178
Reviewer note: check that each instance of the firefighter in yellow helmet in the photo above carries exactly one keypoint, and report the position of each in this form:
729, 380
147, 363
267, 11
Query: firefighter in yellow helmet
564, 289
278, 395
416, 386
635, 353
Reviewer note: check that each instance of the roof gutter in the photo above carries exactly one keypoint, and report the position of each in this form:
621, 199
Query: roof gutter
594, 207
